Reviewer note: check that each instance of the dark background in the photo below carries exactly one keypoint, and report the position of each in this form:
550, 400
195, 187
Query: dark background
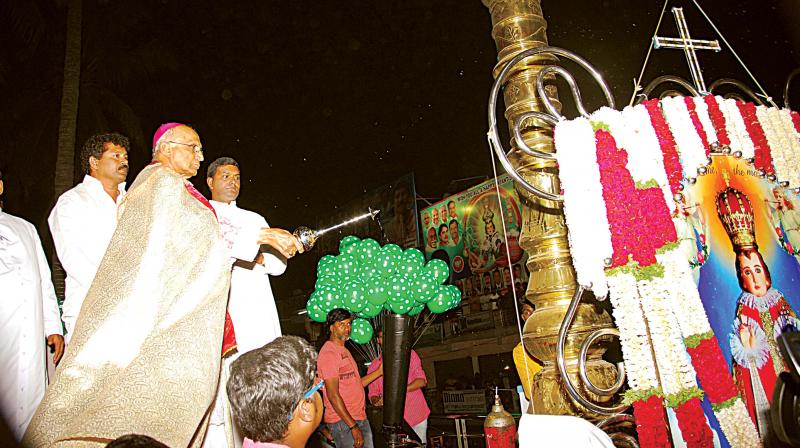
322, 101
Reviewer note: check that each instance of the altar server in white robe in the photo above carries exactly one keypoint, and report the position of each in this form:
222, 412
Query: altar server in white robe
29, 321
251, 304
85, 217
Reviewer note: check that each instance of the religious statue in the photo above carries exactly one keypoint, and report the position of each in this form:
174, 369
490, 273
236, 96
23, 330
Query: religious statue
762, 312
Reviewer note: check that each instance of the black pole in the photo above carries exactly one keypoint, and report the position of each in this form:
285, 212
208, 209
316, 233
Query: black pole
397, 338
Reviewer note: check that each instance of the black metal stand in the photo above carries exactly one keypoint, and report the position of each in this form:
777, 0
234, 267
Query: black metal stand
397, 336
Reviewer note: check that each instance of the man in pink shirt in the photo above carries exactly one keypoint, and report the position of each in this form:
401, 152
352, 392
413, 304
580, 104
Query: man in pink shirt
416, 411
345, 404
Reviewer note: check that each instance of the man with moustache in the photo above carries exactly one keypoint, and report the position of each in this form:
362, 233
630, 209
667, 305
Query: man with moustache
251, 304
84, 218
145, 353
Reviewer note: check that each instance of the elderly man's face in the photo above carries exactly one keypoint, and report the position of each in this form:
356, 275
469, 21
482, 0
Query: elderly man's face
185, 151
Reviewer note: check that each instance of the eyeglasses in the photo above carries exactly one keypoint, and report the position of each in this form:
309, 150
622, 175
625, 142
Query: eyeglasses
309, 393
197, 148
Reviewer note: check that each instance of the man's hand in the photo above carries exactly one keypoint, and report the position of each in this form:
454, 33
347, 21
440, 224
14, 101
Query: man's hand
281, 240
56, 341
376, 400
358, 437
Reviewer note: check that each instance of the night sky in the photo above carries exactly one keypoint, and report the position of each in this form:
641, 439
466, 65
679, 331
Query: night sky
321, 101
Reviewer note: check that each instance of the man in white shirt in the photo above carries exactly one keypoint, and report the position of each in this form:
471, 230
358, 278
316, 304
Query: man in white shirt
85, 217
251, 304
28, 321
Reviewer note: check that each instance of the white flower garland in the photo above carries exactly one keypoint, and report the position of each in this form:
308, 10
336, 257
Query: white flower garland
590, 239
791, 145
701, 108
773, 134
683, 294
645, 159
688, 142
739, 432
737, 131
674, 365
639, 364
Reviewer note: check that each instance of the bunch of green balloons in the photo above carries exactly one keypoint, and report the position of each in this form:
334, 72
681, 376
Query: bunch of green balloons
366, 278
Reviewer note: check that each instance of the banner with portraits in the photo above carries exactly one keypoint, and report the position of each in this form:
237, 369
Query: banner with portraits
474, 233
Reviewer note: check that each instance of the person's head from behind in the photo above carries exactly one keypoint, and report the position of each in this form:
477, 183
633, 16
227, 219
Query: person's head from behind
273, 393
224, 179
135, 441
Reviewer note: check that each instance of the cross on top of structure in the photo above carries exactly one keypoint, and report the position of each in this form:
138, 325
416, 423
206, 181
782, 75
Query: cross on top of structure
688, 45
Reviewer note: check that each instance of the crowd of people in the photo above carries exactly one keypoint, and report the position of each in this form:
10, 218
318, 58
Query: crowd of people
170, 332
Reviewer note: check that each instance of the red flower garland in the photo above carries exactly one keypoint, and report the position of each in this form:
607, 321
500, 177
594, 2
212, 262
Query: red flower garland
651, 423
795, 120
669, 149
696, 122
763, 154
692, 422
717, 119
639, 219
712, 371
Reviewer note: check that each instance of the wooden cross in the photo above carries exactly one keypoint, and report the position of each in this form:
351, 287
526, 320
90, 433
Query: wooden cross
688, 45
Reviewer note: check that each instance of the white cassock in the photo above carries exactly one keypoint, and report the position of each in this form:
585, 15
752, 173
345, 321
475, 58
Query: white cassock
251, 304
82, 224
28, 314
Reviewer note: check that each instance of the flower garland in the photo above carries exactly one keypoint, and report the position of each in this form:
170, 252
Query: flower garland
651, 423
590, 240
698, 126
691, 421
689, 145
736, 128
785, 146
645, 161
717, 119
672, 162
762, 153
653, 293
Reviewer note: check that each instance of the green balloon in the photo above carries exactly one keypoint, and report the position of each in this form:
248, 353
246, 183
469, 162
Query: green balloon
406, 265
368, 273
454, 296
326, 260
361, 331
353, 298
346, 265
396, 287
329, 298
440, 302
399, 306
417, 309
370, 310
423, 287
346, 242
416, 256
439, 269
392, 248
326, 271
376, 294
385, 263
315, 312
367, 249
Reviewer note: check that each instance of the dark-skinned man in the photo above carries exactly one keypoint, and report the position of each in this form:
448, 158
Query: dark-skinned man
145, 354
84, 218
345, 401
